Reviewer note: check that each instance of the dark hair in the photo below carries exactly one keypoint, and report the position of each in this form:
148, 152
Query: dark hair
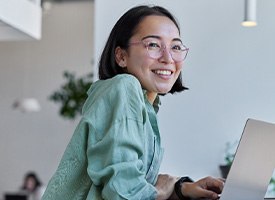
120, 35
33, 176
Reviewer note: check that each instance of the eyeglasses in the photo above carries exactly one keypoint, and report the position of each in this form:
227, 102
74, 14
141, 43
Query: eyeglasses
156, 48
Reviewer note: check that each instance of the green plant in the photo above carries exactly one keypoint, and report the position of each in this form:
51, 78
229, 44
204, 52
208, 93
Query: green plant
72, 94
229, 154
272, 183
230, 150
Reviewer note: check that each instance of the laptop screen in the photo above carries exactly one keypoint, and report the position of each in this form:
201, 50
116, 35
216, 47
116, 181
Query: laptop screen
253, 164
16, 197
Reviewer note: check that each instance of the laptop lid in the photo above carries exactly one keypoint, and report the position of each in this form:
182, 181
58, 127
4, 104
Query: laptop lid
253, 164
15, 196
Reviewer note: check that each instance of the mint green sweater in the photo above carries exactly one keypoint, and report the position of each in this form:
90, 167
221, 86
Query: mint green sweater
115, 151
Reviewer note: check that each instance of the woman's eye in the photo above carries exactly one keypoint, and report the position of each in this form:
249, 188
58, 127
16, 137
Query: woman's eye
177, 47
153, 45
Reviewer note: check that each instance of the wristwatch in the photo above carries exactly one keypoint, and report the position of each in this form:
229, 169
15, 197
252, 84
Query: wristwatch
178, 186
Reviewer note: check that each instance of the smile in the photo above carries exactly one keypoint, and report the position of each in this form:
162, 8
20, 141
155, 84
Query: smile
163, 72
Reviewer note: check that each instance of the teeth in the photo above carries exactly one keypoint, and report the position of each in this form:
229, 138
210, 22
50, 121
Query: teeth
163, 72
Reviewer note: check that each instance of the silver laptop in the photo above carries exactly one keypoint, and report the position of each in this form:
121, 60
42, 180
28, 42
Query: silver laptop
253, 164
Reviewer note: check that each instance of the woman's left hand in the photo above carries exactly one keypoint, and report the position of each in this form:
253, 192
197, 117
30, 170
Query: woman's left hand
208, 187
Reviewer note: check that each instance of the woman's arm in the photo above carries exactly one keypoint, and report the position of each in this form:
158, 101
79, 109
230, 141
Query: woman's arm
207, 187
165, 187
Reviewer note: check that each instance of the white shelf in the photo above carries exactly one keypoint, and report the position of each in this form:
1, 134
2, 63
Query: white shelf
20, 20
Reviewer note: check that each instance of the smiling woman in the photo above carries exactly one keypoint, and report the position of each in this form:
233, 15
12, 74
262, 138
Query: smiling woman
115, 152
152, 63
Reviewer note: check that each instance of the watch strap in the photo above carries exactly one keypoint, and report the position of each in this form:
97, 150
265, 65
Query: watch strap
178, 186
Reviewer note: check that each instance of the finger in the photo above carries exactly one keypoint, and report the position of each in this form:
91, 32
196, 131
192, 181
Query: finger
207, 194
215, 185
222, 179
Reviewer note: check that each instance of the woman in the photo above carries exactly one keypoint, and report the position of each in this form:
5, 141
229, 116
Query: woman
32, 186
115, 152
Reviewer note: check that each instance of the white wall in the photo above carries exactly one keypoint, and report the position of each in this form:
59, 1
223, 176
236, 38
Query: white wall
36, 141
230, 72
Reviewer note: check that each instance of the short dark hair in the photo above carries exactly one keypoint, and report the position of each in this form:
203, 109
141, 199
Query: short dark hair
120, 35
34, 177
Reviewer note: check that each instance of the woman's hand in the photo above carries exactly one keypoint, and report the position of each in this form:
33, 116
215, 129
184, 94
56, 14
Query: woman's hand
165, 186
208, 187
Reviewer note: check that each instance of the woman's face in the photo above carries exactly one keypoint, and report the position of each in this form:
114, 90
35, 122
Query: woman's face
156, 75
30, 183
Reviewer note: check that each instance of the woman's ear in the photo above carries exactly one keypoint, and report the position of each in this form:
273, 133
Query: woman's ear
120, 55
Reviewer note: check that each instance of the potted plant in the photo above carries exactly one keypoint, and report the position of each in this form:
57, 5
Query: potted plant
230, 150
271, 187
72, 94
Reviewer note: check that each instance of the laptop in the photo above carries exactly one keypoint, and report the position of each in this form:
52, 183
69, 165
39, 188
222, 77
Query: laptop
253, 165
15, 196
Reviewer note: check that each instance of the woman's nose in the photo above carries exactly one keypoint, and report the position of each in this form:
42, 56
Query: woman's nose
166, 55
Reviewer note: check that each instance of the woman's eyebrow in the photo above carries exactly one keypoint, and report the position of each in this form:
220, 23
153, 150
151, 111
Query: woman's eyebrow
177, 39
151, 36
159, 38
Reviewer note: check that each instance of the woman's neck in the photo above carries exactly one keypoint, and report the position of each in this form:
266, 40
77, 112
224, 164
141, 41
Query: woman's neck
151, 96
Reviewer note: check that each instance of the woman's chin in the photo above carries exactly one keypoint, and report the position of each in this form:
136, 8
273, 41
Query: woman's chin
164, 90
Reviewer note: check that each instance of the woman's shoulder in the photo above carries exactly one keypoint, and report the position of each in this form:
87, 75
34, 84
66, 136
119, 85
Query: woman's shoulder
122, 93
118, 84
124, 80
124, 90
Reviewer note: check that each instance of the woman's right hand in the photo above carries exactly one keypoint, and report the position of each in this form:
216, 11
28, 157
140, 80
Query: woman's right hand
165, 186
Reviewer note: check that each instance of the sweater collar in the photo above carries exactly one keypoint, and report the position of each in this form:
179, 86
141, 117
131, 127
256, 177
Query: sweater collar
156, 103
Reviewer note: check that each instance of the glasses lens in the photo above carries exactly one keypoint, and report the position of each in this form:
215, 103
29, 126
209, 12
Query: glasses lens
155, 50
154, 54
178, 52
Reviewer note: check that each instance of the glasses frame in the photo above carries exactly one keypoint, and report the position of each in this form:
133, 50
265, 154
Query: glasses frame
162, 48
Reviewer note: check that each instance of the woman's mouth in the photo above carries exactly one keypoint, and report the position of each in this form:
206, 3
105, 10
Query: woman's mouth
163, 72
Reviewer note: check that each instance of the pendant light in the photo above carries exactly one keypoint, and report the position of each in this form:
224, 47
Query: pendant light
26, 102
250, 8
27, 105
